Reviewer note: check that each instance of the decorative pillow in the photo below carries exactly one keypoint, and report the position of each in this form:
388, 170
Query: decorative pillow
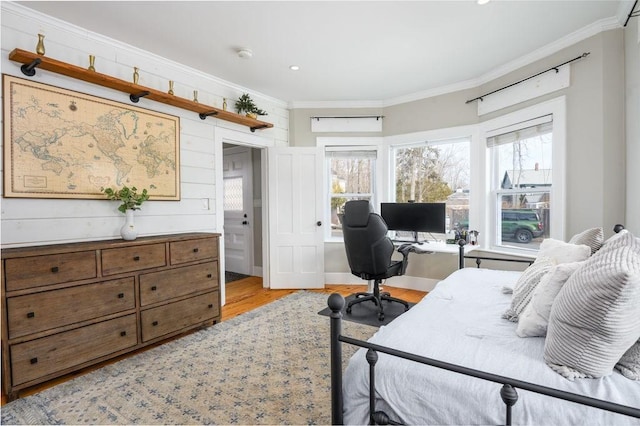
534, 319
593, 238
595, 318
562, 252
527, 282
629, 364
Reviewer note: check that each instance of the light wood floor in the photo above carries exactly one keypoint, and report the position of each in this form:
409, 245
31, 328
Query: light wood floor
241, 296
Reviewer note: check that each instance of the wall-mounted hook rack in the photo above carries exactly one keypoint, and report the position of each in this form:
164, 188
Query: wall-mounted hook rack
32, 60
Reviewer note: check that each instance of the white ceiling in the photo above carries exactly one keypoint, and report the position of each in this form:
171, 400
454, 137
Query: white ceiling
353, 51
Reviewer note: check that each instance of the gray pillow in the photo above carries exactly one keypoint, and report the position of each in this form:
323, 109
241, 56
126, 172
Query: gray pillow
595, 318
523, 290
629, 364
593, 238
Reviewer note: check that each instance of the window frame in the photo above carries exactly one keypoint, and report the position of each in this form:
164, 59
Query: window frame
349, 144
512, 121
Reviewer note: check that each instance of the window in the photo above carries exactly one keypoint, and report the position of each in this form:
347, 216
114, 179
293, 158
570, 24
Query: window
522, 182
435, 172
351, 176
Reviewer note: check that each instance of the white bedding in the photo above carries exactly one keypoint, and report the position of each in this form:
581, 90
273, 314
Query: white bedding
460, 322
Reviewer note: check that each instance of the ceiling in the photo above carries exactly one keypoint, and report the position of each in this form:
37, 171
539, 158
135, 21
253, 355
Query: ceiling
348, 51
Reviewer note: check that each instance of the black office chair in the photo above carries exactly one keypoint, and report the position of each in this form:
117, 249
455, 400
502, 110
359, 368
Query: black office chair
369, 252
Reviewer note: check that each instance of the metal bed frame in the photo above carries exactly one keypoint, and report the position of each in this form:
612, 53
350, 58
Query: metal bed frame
508, 391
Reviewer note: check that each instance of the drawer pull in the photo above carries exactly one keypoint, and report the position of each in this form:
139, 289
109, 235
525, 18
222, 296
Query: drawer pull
154, 288
136, 258
33, 360
209, 275
120, 295
31, 314
55, 269
123, 333
210, 305
154, 323
195, 250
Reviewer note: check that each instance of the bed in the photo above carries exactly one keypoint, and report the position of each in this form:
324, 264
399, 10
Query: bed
460, 326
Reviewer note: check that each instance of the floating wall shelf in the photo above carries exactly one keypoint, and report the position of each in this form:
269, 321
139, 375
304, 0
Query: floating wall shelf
33, 61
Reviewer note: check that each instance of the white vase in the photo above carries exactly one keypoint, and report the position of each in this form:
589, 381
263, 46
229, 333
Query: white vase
128, 230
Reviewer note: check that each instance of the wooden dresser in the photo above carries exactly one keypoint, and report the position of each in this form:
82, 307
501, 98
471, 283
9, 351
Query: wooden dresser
67, 306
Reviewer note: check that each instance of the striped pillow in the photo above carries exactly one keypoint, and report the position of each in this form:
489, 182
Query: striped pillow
523, 290
593, 238
595, 318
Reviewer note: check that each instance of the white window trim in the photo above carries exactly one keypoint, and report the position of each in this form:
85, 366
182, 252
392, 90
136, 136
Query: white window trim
556, 107
348, 144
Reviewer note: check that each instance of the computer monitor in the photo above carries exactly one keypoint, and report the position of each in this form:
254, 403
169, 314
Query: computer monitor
415, 217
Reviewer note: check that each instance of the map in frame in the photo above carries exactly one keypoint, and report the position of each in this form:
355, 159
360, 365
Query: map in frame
64, 144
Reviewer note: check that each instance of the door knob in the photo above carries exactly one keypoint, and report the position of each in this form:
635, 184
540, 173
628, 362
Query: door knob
319, 223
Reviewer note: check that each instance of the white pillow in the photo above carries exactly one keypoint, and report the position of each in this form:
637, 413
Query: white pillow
535, 318
523, 289
562, 252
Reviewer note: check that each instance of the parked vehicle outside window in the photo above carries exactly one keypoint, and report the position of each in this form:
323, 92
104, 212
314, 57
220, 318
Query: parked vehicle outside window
520, 225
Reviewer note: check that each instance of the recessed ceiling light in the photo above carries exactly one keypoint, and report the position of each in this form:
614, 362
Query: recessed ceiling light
483, 1
294, 68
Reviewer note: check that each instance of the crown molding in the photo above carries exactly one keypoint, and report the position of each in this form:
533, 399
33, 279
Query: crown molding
76, 31
335, 104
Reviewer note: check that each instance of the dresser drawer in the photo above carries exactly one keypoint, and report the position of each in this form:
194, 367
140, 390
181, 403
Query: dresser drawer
191, 250
50, 309
175, 316
127, 259
37, 271
40, 357
165, 285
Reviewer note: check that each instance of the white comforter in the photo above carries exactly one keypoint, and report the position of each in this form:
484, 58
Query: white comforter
460, 322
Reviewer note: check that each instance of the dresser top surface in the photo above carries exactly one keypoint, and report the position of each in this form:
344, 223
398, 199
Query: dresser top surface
101, 244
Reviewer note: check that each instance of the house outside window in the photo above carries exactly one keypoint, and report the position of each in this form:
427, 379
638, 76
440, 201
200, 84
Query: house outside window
351, 176
435, 172
521, 184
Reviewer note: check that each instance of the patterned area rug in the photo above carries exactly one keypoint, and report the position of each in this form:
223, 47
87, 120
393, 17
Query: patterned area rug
268, 366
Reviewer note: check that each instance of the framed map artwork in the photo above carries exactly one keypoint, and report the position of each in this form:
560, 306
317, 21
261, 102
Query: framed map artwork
64, 144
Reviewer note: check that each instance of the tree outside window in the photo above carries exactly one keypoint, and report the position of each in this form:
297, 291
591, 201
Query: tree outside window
435, 173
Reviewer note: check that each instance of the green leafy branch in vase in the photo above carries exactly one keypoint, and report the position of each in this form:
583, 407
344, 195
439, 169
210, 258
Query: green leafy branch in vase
131, 199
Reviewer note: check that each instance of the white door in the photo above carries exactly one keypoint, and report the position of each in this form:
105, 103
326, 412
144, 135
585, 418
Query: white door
296, 243
238, 210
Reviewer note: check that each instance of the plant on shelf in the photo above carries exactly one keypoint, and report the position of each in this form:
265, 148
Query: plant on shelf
246, 105
131, 199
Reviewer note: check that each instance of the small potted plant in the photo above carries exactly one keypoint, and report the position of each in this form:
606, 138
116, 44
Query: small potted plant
131, 200
245, 105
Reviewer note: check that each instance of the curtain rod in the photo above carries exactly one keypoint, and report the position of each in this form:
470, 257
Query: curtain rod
584, 55
377, 117
632, 13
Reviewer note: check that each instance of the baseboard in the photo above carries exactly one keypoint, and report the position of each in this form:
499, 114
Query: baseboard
257, 271
403, 281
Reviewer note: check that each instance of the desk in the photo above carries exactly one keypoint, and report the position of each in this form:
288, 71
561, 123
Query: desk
440, 247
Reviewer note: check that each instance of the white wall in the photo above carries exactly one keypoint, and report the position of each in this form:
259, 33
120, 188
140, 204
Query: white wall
43, 221
632, 80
